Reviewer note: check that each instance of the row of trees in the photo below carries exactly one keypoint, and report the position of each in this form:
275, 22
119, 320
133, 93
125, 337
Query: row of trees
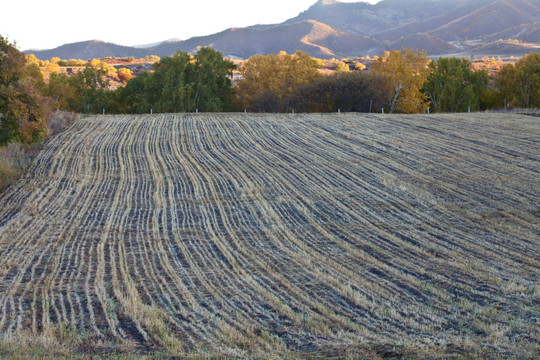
520, 84
399, 81
403, 81
179, 83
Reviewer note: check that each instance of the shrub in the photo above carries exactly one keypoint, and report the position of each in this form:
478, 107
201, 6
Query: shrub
13, 160
60, 121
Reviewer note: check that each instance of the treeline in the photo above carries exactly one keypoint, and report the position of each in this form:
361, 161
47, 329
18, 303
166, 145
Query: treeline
179, 83
403, 81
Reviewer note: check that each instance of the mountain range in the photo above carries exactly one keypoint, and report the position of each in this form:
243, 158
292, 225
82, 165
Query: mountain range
332, 29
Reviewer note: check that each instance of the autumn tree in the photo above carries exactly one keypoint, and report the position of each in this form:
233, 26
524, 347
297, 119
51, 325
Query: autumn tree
32, 59
342, 67
360, 66
452, 86
269, 80
53, 67
406, 72
23, 107
152, 59
125, 74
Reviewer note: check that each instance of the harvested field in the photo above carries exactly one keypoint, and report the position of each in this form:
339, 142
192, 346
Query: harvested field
248, 235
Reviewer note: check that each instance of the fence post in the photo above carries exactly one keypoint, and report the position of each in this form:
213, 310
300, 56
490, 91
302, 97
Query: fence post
382, 112
428, 110
370, 105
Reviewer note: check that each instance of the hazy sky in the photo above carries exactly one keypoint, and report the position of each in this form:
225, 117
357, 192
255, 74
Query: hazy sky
48, 24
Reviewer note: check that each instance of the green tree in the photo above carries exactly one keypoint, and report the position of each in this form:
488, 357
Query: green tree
520, 83
211, 76
452, 86
180, 83
406, 72
91, 92
168, 88
134, 97
63, 92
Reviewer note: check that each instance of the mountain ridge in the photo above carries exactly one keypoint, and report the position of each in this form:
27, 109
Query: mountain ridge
331, 28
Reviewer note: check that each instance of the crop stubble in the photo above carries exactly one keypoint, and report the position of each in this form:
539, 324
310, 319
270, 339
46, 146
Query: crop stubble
235, 233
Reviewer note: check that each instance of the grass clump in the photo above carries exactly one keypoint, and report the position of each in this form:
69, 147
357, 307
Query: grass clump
14, 158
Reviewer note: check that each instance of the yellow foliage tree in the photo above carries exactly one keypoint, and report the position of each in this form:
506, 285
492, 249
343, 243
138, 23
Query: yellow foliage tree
32, 59
406, 71
95, 63
342, 67
124, 75
268, 80
53, 67
360, 67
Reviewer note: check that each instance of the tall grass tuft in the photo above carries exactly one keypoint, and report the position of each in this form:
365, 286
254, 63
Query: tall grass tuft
13, 160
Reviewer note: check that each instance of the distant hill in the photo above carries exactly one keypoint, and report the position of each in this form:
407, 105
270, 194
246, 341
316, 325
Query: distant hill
431, 44
316, 38
92, 49
492, 17
331, 28
506, 48
529, 33
368, 20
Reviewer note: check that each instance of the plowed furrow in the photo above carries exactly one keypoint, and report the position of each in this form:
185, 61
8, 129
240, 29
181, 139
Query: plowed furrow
238, 234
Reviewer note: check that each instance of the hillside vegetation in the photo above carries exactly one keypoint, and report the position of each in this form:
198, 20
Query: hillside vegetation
276, 235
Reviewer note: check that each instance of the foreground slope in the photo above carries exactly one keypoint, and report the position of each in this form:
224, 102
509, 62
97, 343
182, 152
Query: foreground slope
245, 234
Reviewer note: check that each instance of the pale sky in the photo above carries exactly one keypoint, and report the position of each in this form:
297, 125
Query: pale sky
47, 24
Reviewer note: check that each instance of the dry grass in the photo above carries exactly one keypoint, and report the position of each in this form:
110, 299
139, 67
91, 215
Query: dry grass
15, 157
248, 236
13, 161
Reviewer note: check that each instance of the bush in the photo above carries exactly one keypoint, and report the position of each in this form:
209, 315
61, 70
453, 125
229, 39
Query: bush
16, 157
60, 121
13, 160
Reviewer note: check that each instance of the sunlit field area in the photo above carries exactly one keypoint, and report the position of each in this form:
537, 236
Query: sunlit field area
250, 235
